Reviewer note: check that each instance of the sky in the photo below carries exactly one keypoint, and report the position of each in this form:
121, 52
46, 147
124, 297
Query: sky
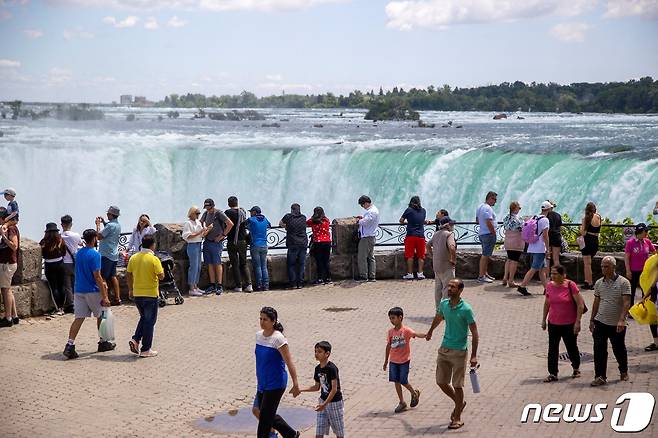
96, 50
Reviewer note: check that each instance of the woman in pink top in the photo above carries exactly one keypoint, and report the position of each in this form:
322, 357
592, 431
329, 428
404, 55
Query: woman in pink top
637, 251
564, 306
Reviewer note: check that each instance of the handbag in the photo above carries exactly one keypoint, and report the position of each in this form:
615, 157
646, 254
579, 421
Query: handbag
580, 240
644, 312
585, 309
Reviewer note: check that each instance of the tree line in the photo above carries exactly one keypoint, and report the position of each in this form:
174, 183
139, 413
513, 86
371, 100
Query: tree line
634, 96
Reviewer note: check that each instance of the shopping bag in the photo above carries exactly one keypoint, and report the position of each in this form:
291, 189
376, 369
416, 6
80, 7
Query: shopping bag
580, 240
106, 328
644, 312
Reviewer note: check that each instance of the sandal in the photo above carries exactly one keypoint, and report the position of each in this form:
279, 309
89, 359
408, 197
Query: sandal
134, 346
651, 347
504, 282
456, 425
575, 374
550, 378
452, 416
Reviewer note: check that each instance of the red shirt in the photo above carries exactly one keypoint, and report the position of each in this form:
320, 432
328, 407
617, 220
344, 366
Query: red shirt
320, 231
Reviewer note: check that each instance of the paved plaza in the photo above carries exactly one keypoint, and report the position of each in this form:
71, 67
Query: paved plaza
206, 366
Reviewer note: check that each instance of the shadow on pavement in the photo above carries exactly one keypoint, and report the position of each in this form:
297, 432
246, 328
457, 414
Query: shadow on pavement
61, 358
118, 358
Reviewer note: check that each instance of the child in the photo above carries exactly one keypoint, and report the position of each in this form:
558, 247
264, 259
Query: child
330, 407
397, 346
12, 206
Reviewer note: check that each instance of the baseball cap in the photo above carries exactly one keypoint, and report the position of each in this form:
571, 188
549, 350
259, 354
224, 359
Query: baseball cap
641, 228
255, 209
445, 220
9, 191
208, 203
546, 205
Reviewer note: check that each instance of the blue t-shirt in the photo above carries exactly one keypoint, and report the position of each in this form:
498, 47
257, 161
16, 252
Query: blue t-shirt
87, 261
270, 367
109, 246
415, 222
484, 213
12, 206
258, 226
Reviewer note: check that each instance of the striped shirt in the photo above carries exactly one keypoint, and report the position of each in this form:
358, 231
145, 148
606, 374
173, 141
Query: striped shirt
610, 293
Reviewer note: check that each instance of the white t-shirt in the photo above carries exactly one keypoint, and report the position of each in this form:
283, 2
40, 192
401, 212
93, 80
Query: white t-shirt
484, 213
539, 247
73, 242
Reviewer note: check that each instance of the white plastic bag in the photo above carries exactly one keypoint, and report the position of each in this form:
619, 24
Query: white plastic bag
106, 328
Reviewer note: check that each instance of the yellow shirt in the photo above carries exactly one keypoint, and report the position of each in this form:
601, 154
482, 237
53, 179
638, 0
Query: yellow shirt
145, 267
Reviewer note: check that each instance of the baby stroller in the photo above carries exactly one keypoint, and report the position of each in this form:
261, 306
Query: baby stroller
168, 283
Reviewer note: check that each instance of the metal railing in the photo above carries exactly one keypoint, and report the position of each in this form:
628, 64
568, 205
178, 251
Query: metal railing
466, 234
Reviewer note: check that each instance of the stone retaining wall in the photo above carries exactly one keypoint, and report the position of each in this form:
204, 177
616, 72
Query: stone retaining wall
33, 296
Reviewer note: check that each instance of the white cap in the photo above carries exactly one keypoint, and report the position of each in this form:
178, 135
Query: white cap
546, 205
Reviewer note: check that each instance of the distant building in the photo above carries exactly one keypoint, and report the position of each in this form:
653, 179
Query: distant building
140, 100
126, 99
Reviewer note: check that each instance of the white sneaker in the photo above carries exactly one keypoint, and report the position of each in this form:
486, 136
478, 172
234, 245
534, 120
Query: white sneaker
485, 280
489, 277
249, 289
237, 289
195, 293
420, 275
149, 353
409, 276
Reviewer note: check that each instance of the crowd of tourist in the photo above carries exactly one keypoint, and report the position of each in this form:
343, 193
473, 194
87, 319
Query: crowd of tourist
80, 278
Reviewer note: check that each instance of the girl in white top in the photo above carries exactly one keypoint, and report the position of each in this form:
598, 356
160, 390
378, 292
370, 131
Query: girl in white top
143, 228
193, 233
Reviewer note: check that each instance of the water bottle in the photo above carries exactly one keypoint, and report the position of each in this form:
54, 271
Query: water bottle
474, 380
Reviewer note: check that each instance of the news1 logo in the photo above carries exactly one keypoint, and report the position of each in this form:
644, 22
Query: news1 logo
638, 412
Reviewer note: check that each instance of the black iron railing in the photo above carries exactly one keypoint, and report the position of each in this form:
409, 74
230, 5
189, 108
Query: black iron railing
613, 236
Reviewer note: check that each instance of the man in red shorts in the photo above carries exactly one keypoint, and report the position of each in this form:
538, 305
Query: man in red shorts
414, 243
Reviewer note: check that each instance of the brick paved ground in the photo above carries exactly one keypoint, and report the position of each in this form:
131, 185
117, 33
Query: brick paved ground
206, 366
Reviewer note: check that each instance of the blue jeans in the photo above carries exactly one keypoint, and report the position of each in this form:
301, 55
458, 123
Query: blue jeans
296, 259
259, 260
194, 255
148, 314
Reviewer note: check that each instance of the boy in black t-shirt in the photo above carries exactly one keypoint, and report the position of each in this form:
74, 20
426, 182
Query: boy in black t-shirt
330, 405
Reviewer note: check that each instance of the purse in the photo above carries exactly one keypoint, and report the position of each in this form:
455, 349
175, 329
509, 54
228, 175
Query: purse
585, 309
580, 240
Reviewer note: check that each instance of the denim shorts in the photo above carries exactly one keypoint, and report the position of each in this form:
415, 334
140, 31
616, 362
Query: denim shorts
212, 252
399, 372
538, 261
108, 268
488, 243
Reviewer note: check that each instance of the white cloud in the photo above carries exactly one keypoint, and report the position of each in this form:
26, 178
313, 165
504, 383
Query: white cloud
129, 21
570, 32
176, 22
58, 76
9, 63
274, 78
407, 15
151, 23
104, 79
191, 5
77, 33
33, 33
624, 8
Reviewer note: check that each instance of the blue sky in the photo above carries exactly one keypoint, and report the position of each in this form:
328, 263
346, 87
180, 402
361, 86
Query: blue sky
95, 50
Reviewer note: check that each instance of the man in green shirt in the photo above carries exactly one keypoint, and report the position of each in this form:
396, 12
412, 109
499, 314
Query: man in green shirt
451, 361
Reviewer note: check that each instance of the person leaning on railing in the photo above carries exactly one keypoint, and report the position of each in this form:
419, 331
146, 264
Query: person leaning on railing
321, 244
368, 224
